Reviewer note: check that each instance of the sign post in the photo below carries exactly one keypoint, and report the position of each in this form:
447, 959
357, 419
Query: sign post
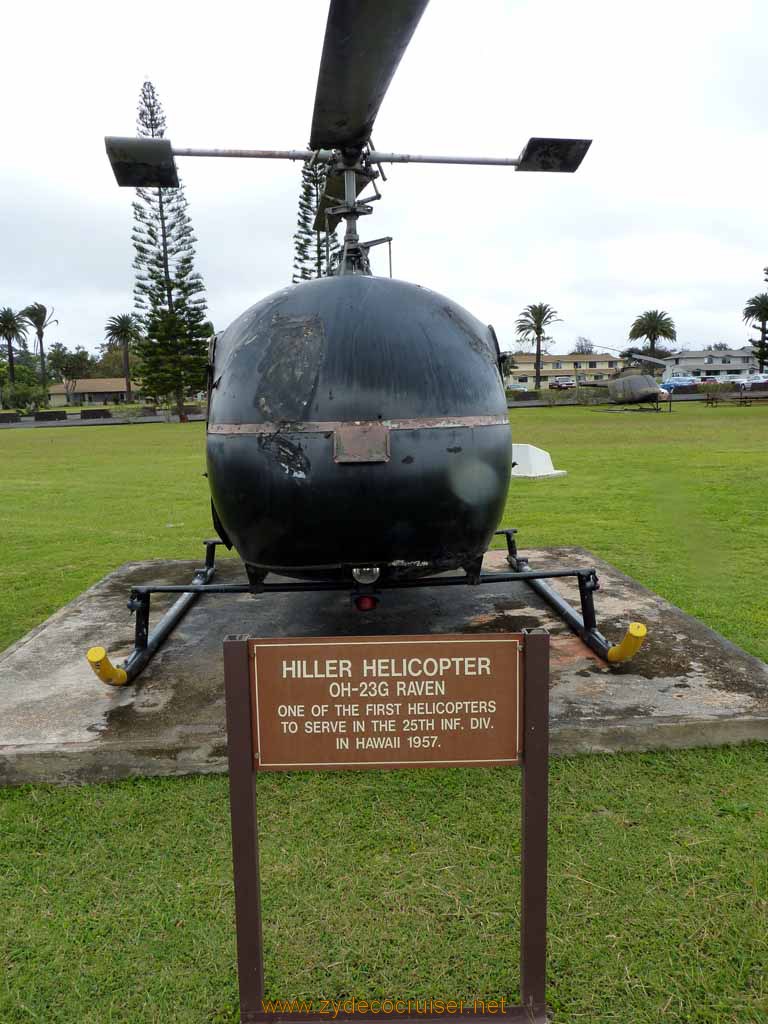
388, 702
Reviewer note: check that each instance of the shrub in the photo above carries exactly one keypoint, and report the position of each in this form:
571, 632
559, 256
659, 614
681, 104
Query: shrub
26, 398
592, 396
565, 396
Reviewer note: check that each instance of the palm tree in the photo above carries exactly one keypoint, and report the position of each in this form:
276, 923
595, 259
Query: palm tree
13, 328
653, 324
38, 316
123, 330
756, 311
531, 324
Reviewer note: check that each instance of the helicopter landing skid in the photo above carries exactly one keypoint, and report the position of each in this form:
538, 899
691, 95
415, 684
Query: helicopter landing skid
146, 643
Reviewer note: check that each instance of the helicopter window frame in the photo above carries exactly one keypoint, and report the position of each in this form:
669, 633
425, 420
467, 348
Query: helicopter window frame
499, 363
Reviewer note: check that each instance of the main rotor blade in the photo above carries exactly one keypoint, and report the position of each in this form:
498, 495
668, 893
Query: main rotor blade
364, 41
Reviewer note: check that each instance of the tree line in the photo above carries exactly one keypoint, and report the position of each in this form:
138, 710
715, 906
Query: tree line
163, 341
650, 327
29, 372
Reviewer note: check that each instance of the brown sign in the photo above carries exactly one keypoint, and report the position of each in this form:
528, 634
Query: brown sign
255, 685
386, 702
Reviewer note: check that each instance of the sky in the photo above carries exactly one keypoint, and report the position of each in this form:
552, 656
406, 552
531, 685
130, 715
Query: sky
667, 211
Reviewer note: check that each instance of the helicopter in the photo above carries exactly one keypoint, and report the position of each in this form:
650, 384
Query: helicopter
357, 427
633, 387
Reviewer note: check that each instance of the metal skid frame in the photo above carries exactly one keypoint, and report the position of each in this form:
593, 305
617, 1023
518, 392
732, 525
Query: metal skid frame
583, 622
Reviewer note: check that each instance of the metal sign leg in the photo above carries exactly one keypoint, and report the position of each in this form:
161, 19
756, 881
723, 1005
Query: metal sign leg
533, 843
245, 835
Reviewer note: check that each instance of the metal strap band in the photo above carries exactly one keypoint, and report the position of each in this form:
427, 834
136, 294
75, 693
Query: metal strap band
330, 426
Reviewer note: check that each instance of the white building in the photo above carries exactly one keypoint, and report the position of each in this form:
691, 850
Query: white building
727, 364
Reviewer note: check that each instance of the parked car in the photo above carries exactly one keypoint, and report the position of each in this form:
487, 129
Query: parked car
558, 383
516, 387
754, 380
679, 383
711, 380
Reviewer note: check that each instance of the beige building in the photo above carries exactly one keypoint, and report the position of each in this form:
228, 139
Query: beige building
96, 390
582, 366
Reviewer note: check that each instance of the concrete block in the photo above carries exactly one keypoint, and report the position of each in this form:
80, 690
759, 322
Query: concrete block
530, 462
687, 687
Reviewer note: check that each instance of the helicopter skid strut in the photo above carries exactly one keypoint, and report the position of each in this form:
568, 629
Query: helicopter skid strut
146, 643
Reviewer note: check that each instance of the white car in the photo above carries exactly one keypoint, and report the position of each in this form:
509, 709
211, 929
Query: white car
754, 380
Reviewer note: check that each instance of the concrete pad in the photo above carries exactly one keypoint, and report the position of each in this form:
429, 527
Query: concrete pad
687, 687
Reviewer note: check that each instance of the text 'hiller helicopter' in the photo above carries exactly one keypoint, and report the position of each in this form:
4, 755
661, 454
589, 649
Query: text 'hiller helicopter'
357, 435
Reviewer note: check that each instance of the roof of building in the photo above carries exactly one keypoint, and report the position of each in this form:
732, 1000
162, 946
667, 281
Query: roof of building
704, 353
559, 357
88, 385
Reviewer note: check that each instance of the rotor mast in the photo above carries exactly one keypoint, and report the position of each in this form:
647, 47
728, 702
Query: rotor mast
352, 253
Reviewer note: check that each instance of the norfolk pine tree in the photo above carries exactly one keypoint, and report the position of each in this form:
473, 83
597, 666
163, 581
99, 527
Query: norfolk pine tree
309, 245
168, 292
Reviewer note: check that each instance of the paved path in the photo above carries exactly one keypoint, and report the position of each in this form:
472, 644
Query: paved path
114, 421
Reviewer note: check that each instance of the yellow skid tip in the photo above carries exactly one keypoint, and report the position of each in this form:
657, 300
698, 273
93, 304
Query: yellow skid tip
98, 660
630, 645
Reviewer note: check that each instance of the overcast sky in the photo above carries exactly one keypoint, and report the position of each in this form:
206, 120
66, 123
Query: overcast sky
667, 211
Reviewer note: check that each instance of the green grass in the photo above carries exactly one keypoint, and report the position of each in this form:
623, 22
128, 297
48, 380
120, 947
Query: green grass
76, 503
676, 500
116, 900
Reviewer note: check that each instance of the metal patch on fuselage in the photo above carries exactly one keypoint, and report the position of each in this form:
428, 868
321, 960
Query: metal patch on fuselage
361, 442
290, 366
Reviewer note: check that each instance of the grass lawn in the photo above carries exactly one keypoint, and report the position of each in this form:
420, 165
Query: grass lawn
117, 899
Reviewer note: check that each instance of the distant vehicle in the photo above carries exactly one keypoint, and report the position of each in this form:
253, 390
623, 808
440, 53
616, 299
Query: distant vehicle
678, 383
754, 380
710, 380
516, 387
561, 382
